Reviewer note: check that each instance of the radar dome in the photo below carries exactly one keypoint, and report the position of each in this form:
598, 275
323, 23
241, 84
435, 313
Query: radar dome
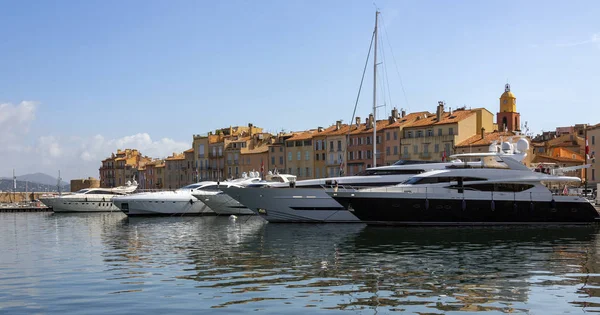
522, 145
506, 147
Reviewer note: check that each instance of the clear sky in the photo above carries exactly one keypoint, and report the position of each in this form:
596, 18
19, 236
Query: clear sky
79, 79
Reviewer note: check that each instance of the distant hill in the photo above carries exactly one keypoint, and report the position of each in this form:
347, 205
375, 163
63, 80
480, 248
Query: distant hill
39, 178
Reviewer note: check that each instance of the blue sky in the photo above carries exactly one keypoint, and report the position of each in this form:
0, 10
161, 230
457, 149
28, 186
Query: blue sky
80, 78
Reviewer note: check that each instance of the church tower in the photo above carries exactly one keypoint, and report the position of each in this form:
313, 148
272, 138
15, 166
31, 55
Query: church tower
508, 119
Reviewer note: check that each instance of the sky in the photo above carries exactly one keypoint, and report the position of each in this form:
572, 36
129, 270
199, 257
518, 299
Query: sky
79, 79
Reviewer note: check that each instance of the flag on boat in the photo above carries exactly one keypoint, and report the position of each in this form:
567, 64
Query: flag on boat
565, 190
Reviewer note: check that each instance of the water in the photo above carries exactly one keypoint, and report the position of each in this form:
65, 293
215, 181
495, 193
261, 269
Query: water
107, 263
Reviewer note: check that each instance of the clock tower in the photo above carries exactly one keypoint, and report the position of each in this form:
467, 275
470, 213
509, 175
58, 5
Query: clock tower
508, 119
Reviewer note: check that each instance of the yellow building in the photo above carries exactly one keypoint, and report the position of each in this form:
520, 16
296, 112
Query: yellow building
121, 167
593, 136
175, 171
392, 134
299, 150
277, 155
201, 158
320, 140
254, 156
430, 137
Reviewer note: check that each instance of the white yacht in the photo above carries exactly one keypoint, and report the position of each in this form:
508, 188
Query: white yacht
472, 196
307, 201
89, 199
223, 204
177, 202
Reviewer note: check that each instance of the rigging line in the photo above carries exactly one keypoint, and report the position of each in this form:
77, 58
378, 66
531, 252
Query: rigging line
358, 96
395, 63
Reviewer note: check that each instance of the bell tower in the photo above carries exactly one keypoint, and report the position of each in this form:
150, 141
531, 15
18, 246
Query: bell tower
508, 119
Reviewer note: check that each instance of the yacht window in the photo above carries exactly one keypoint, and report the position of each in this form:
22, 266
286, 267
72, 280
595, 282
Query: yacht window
192, 186
498, 187
210, 188
371, 172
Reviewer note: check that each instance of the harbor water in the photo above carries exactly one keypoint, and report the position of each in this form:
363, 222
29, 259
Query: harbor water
106, 263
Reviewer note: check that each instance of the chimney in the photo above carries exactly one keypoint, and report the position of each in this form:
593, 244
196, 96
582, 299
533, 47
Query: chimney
250, 127
391, 120
395, 113
357, 121
370, 124
482, 132
439, 111
338, 125
403, 113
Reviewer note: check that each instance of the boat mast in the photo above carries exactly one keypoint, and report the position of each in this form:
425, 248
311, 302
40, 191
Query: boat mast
375, 93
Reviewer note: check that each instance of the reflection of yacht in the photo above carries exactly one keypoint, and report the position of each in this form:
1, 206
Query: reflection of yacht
309, 202
469, 196
178, 202
223, 204
89, 199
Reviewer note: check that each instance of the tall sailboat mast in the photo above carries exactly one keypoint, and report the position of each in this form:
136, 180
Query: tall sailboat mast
375, 93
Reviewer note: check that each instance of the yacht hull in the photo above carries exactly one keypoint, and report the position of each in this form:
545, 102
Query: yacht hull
65, 205
161, 206
223, 204
382, 210
303, 205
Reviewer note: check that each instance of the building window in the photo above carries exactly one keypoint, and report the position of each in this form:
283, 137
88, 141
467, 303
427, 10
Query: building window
299, 171
439, 131
280, 149
272, 149
415, 149
447, 149
409, 134
307, 172
307, 155
387, 136
272, 160
593, 140
406, 150
436, 148
368, 140
351, 157
298, 155
420, 133
289, 156
395, 150
430, 133
281, 160
339, 145
331, 145
395, 135
387, 150
451, 131
317, 157
426, 148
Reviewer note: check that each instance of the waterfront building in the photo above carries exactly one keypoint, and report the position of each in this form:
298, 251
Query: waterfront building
320, 141
480, 142
392, 134
190, 172
254, 156
175, 171
433, 137
299, 150
360, 145
277, 155
79, 184
121, 167
593, 137
201, 159
216, 162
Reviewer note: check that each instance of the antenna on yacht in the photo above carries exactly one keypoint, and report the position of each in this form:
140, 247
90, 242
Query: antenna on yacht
58, 183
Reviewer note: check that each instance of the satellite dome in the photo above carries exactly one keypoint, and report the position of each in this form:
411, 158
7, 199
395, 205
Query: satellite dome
522, 145
506, 147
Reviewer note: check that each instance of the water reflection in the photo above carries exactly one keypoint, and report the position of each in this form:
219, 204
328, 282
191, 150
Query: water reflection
108, 262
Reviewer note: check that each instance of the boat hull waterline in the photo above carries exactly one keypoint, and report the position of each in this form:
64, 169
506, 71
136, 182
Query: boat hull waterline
298, 205
377, 210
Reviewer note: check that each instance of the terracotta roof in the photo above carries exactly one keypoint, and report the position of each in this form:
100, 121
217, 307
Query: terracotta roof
176, 157
160, 165
488, 139
447, 118
189, 150
301, 136
566, 140
326, 131
120, 159
262, 148
342, 131
381, 124
406, 120
566, 153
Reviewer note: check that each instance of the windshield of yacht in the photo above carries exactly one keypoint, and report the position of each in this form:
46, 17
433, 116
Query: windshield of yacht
412, 162
190, 187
